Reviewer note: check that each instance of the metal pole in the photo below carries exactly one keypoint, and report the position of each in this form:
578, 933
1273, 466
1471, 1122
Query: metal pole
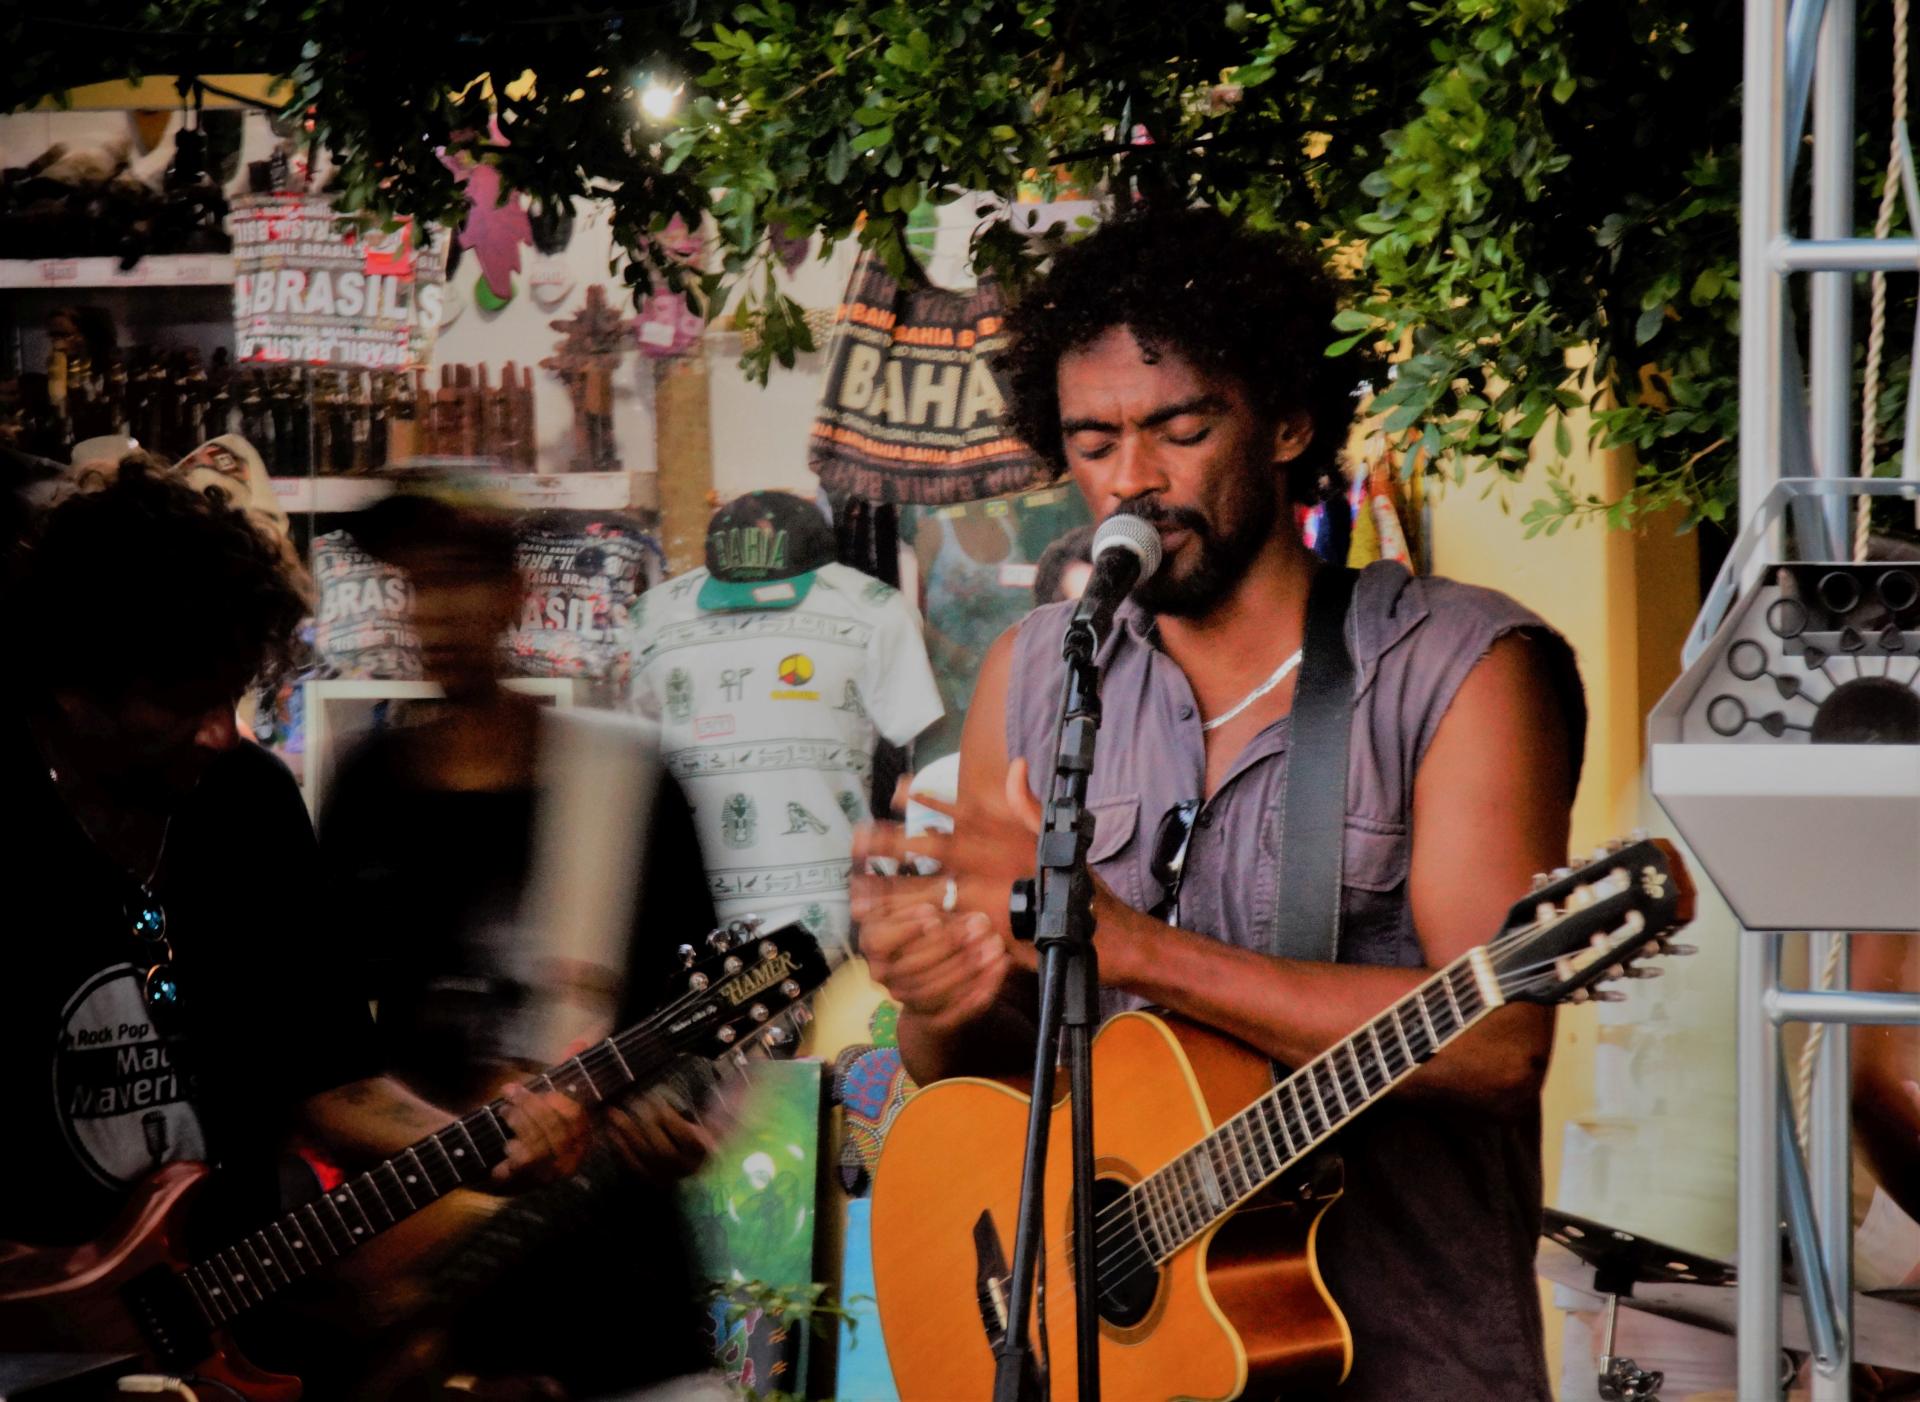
1850, 255
1830, 1173
1830, 350
1758, 1046
1888, 1009
1763, 223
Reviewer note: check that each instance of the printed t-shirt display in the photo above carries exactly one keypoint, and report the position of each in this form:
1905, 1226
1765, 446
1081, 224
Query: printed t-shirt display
98, 1094
977, 564
769, 719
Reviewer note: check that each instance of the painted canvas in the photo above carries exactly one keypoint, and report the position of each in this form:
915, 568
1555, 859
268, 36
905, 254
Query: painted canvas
751, 1214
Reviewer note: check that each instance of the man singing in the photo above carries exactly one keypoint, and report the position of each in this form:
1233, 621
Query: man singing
1175, 365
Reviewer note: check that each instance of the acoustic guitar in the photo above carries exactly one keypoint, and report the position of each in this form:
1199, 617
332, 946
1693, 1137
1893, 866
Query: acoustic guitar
142, 1290
1208, 1194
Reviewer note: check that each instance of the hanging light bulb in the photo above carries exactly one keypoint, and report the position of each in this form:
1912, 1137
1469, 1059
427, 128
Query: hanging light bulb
658, 100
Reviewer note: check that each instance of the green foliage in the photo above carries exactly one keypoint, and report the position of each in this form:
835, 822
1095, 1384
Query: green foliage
1519, 184
812, 1303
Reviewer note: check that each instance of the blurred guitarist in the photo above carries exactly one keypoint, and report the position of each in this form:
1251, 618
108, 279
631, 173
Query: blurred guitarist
1176, 366
170, 994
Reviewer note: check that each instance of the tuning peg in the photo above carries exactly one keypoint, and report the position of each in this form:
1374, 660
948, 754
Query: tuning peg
1608, 995
732, 964
1637, 835
689, 956
1602, 852
1579, 995
726, 1034
721, 940
744, 925
1645, 971
1539, 882
758, 1012
769, 950
1680, 951
1562, 873
790, 988
698, 983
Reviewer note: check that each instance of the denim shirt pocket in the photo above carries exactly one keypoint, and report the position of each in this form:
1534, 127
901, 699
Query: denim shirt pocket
1374, 928
1114, 854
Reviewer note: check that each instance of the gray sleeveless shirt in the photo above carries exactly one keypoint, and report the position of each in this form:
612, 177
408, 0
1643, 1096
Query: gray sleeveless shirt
1430, 1252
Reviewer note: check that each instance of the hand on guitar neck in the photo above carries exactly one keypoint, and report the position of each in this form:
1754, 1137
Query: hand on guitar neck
372, 1119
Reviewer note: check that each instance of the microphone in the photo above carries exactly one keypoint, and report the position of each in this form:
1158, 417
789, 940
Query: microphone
1126, 550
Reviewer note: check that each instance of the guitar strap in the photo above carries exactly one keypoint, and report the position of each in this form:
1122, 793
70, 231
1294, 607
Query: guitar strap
1313, 804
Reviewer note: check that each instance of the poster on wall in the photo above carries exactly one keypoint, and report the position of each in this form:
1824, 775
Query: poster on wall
912, 409
312, 288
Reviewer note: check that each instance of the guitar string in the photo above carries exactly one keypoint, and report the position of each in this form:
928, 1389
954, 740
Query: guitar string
1113, 1225
1114, 1228
1114, 1219
1137, 1252
608, 1054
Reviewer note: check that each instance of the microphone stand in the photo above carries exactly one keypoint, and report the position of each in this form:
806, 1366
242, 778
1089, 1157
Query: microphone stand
1054, 909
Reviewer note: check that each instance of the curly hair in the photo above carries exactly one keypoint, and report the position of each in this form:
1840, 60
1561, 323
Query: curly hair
138, 579
1255, 306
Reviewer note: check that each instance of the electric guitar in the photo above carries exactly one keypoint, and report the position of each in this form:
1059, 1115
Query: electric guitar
1198, 1296
141, 1290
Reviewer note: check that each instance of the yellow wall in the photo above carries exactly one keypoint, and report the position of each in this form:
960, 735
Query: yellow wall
1637, 1112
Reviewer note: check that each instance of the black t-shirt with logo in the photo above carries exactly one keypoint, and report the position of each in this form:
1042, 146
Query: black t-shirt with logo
93, 1094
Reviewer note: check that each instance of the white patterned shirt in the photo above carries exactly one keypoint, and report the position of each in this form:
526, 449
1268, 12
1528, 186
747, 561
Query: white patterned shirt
769, 719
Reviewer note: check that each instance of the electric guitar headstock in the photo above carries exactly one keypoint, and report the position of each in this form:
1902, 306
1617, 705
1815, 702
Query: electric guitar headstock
1578, 929
747, 987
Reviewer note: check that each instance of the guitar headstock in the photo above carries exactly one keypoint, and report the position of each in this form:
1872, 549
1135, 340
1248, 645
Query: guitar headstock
1577, 929
749, 984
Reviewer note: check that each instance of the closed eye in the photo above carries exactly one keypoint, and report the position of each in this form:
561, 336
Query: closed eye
1191, 439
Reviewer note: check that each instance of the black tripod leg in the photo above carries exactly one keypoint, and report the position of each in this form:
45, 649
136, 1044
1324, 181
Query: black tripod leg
1015, 1377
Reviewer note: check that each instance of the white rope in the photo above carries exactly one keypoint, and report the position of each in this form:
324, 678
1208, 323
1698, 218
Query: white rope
1877, 321
1829, 971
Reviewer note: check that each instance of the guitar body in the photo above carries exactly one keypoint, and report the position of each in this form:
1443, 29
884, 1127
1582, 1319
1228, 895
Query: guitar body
121, 1294
1239, 1312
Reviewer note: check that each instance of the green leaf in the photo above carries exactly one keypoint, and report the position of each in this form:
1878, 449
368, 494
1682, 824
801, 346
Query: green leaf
1352, 319
1649, 324
1341, 347
871, 140
1562, 438
1564, 89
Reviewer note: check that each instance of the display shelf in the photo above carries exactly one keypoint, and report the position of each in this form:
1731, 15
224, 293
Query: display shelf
158, 270
578, 491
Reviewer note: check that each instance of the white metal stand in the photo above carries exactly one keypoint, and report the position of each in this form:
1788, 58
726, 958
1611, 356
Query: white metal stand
1784, 60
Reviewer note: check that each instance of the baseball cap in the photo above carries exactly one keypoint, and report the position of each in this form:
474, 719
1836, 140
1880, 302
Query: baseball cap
762, 551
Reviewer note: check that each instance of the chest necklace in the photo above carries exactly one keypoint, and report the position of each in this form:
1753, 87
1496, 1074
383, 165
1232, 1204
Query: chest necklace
1279, 675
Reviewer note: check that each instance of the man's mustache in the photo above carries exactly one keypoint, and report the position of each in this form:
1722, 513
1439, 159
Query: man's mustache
1156, 513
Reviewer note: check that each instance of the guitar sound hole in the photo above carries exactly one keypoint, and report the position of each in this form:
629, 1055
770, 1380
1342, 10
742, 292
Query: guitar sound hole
1129, 1278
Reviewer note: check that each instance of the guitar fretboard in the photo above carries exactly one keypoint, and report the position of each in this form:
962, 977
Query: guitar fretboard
1188, 1194
249, 1271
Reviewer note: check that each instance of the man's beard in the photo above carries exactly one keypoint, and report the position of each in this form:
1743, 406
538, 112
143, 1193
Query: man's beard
1224, 557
